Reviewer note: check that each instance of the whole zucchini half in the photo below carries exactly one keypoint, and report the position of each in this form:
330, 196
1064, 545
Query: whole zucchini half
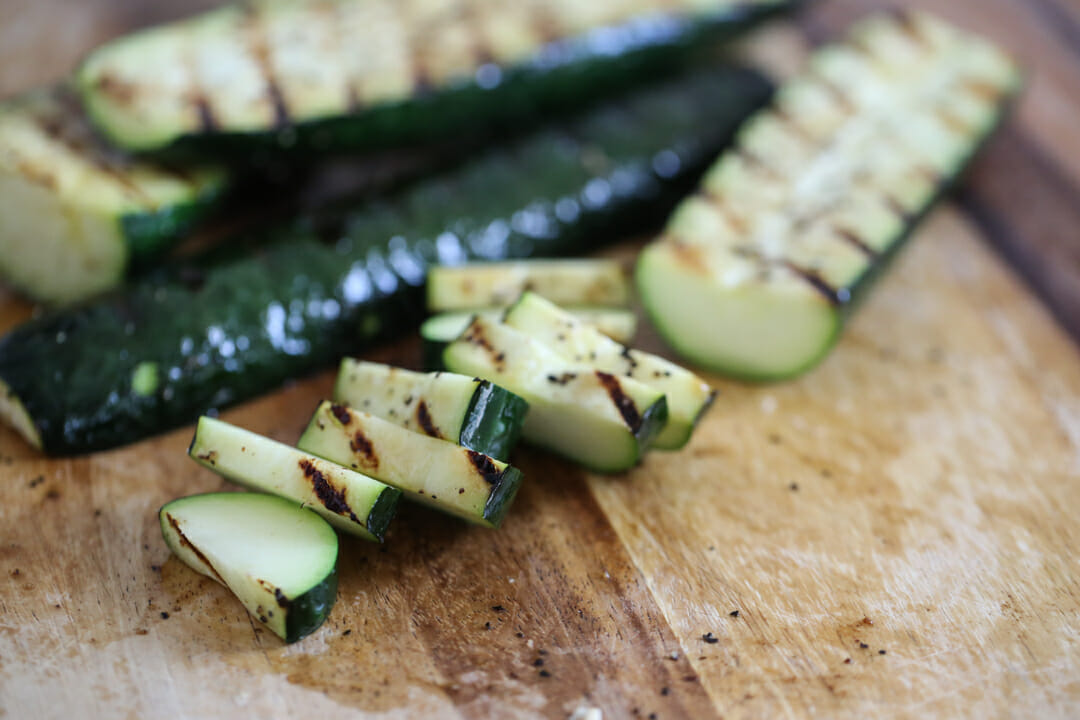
351, 75
214, 332
75, 214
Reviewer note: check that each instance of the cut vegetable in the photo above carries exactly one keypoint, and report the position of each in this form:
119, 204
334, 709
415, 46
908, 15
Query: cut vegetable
463, 410
431, 471
439, 330
75, 214
566, 282
597, 419
225, 328
350, 501
278, 558
754, 274
688, 396
368, 74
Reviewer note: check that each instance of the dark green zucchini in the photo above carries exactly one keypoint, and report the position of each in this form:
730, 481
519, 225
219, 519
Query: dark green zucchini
755, 274
210, 333
75, 214
356, 75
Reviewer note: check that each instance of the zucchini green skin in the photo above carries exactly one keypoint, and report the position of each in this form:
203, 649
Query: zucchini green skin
230, 327
561, 66
494, 423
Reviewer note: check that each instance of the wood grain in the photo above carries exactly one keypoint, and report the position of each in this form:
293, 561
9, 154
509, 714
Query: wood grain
915, 494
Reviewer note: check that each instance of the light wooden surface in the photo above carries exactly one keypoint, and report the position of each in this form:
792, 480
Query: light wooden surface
915, 494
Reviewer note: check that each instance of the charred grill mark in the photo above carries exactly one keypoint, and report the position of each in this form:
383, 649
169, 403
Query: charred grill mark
906, 21
196, 551
119, 91
852, 238
896, 207
331, 497
838, 95
835, 296
423, 418
282, 601
36, 175
207, 121
624, 404
341, 413
952, 122
983, 90
209, 456
259, 47
362, 446
690, 256
789, 122
561, 379
485, 466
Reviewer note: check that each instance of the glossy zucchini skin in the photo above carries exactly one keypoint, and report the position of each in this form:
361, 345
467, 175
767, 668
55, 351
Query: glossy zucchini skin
229, 327
469, 65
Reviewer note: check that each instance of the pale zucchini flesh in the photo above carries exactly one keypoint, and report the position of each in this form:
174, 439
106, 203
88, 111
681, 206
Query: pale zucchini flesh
616, 323
688, 396
435, 472
348, 500
597, 419
754, 275
278, 558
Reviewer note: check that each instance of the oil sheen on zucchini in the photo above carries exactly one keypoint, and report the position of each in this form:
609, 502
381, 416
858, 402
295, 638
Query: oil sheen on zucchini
754, 274
344, 75
213, 332
74, 214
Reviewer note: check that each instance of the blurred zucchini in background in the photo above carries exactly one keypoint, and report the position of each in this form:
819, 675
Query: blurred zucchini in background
350, 75
75, 214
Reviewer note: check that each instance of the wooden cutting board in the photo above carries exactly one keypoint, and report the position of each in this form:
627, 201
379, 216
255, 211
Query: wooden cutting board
893, 535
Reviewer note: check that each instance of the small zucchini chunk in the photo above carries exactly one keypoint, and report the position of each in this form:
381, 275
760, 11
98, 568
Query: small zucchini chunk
467, 411
351, 502
497, 284
688, 396
754, 275
437, 473
278, 558
600, 420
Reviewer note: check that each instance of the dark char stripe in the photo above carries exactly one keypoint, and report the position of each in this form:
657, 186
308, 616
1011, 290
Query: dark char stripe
626, 406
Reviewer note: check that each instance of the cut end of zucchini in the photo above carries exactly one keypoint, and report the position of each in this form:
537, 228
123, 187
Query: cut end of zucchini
15, 415
278, 558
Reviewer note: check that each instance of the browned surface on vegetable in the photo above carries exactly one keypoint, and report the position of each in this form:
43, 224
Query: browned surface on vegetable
894, 535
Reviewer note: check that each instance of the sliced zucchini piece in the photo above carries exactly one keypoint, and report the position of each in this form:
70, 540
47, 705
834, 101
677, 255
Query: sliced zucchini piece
439, 330
435, 472
278, 558
688, 396
754, 274
464, 410
350, 501
595, 418
75, 214
497, 284
368, 74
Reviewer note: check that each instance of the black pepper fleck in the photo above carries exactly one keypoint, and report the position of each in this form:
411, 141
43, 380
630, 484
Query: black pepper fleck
734, 613
164, 615
710, 638
880, 652
498, 608
863, 645
545, 674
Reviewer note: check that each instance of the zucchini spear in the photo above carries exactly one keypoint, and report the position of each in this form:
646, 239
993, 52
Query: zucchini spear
755, 274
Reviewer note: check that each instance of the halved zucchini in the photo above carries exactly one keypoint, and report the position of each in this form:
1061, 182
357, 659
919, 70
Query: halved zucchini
754, 274
277, 557
74, 214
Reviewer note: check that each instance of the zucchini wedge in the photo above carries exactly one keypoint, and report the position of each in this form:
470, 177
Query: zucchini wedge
74, 214
688, 396
278, 558
440, 330
352, 502
565, 282
461, 409
214, 331
435, 472
597, 419
754, 275
351, 75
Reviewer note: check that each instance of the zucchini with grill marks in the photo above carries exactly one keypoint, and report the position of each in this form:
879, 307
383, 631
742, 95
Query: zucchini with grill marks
74, 214
754, 275
462, 409
363, 74
214, 331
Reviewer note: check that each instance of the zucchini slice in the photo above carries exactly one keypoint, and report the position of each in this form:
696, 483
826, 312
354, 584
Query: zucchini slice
219, 329
566, 282
350, 501
75, 214
688, 396
352, 75
278, 558
755, 273
439, 330
600, 420
437, 473
463, 410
